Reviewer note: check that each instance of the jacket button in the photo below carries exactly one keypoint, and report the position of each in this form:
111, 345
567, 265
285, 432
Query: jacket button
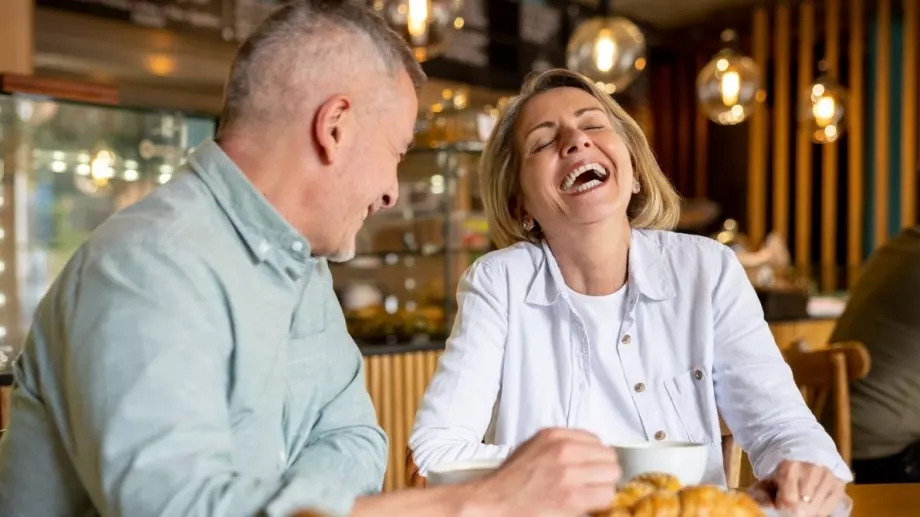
639, 387
626, 339
698, 374
661, 435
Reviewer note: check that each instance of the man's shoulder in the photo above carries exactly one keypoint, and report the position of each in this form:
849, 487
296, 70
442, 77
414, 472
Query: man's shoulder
175, 215
177, 227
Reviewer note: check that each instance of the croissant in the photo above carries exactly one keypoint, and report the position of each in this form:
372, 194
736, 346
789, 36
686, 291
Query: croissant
659, 504
627, 496
660, 495
659, 480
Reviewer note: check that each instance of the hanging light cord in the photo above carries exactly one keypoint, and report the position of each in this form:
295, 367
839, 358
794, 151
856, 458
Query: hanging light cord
606, 8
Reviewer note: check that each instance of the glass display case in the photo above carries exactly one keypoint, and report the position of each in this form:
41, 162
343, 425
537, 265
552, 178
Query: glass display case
400, 288
66, 167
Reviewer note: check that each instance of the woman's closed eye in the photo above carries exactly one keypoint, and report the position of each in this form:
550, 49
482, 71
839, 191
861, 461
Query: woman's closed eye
542, 145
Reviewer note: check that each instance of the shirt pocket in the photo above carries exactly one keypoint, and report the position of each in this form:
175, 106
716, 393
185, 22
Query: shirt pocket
687, 395
308, 370
307, 321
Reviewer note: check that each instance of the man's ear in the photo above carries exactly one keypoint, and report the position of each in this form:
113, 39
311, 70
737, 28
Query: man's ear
333, 124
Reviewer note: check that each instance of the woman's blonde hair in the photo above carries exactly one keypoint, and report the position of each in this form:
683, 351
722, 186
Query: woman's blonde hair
657, 204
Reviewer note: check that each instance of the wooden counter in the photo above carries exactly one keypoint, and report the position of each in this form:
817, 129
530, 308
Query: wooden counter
897, 500
397, 378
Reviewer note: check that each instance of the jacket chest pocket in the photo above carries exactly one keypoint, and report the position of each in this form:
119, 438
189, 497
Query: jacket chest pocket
688, 394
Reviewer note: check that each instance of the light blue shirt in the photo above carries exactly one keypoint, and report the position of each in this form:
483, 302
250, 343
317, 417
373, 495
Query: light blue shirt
191, 360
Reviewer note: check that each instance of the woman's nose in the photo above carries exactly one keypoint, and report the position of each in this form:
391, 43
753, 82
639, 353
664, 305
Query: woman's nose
575, 140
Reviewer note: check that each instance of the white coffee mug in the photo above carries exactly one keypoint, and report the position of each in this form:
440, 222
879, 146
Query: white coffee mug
461, 471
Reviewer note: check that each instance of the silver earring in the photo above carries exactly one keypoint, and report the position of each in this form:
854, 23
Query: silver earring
636, 187
527, 224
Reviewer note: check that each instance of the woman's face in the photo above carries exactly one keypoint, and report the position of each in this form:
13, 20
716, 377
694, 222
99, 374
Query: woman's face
575, 168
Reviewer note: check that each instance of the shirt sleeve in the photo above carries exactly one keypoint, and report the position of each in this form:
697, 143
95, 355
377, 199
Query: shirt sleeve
345, 456
146, 349
456, 410
755, 391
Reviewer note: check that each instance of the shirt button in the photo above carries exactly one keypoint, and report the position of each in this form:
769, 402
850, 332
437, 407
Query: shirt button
297, 246
264, 247
626, 339
698, 374
661, 435
639, 387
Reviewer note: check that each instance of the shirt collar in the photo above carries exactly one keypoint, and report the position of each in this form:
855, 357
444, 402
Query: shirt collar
648, 273
261, 227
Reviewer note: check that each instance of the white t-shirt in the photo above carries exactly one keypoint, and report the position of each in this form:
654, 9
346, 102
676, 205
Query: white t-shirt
608, 391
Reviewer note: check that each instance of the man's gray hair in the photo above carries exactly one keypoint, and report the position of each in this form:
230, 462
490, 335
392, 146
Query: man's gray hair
301, 32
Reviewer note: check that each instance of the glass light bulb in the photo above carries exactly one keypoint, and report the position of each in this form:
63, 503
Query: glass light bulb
822, 109
728, 87
417, 20
608, 50
427, 25
604, 51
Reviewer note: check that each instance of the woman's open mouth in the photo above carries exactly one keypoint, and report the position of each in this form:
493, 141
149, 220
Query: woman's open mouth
584, 178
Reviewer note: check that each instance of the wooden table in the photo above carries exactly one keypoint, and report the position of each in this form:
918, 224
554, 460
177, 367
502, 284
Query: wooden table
885, 500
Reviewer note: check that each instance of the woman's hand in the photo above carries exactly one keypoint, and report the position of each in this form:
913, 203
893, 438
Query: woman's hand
806, 489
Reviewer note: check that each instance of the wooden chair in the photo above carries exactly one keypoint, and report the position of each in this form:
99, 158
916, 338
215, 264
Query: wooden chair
824, 374
413, 478
731, 457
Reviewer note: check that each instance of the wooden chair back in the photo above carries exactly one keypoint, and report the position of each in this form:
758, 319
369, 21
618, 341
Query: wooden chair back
824, 376
731, 457
413, 478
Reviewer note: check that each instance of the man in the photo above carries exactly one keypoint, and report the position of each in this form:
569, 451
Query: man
191, 359
883, 313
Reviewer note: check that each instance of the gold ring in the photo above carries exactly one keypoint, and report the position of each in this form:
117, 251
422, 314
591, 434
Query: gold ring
806, 498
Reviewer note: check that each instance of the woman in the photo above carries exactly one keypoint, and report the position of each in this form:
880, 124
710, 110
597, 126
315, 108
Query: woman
593, 316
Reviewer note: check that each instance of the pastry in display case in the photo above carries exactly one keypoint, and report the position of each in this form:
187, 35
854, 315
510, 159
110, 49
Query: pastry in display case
66, 166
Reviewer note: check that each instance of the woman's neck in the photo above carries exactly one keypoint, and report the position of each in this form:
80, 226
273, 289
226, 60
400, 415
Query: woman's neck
593, 261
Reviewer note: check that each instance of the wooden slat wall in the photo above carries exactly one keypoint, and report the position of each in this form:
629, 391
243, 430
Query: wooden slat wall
396, 384
781, 119
879, 49
830, 165
680, 136
882, 102
803, 147
855, 132
757, 154
909, 129
700, 151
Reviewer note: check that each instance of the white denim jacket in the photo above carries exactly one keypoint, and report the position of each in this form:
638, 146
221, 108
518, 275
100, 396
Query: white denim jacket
693, 335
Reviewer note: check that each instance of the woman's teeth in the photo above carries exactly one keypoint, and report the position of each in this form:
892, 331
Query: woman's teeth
595, 169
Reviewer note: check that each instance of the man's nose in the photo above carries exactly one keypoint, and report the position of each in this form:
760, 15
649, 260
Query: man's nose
390, 198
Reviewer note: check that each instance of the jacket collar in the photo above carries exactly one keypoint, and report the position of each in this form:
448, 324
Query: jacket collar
648, 272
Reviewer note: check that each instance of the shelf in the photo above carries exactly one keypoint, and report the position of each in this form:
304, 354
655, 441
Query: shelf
460, 147
375, 260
